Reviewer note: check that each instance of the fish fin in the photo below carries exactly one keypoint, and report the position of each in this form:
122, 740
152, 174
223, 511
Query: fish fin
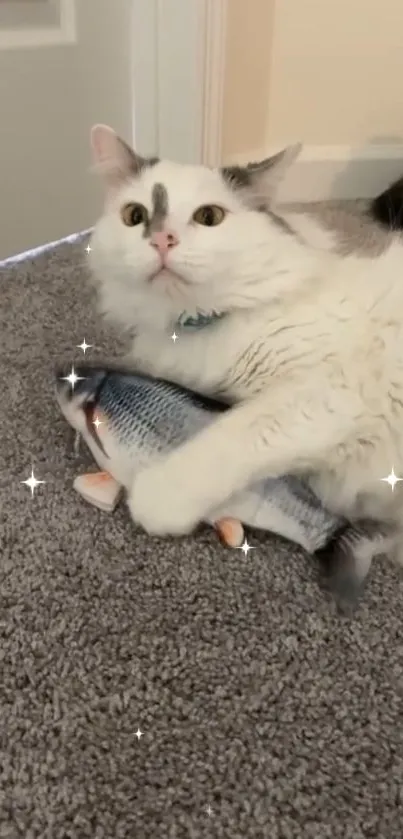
98, 478
93, 417
99, 489
230, 531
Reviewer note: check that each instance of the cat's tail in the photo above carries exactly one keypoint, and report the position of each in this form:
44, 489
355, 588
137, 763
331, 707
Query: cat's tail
387, 208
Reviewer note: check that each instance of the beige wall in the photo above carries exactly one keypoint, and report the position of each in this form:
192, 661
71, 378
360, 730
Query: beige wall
247, 74
327, 73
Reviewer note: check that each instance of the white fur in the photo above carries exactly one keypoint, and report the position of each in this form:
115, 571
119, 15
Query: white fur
311, 348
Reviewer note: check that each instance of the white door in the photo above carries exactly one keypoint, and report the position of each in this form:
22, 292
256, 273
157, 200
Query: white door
64, 65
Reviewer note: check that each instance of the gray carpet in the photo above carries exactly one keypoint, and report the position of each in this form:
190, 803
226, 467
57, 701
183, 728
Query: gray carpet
254, 698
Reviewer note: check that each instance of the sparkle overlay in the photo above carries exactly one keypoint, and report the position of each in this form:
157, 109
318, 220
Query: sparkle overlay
72, 378
174, 337
32, 482
245, 547
88, 249
97, 422
209, 810
139, 734
84, 346
392, 479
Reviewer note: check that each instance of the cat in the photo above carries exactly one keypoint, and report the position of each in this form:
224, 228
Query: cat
306, 343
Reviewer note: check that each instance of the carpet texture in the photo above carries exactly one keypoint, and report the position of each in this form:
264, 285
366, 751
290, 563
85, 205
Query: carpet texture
263, 714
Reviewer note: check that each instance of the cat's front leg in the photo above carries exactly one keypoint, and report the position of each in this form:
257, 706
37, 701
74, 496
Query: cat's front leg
259, 439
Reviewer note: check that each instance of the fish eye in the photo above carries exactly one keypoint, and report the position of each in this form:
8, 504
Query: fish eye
134, 214
209, 215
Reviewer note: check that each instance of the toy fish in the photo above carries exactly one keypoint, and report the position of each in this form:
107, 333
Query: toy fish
129, 420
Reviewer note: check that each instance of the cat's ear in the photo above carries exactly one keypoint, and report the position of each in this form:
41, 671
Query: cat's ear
113, 158
260, 181
270, 172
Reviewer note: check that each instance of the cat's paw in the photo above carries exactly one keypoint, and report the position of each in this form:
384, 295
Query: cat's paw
161, 504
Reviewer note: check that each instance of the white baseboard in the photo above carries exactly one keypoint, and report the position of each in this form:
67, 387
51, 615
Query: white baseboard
324, 173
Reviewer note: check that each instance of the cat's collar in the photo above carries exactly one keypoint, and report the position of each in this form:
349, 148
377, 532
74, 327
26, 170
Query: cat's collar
199, 320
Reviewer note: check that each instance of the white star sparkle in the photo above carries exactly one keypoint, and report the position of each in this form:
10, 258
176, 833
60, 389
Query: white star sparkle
88, 249
392, 479
209, 810
97, 423
245, 547
84, 346
139, 734
72, 378
174, 337
32, 482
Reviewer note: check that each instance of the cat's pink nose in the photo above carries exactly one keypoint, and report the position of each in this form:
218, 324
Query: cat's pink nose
163, 241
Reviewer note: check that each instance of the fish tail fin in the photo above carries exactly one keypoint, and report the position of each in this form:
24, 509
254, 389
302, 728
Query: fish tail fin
346, 561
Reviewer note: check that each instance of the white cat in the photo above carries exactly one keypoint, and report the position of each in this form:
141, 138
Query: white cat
310, 343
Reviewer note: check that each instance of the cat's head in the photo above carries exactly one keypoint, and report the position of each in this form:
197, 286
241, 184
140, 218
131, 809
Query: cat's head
179, 238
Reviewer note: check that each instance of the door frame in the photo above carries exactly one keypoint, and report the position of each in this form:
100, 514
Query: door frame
179, 50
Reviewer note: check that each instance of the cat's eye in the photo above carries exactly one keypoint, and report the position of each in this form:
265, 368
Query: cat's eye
209, 215
134, 214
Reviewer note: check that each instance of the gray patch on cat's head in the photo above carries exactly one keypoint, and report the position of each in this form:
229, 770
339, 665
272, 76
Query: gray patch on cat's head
237, 177
258, 182
241, 177
160, 201
160, 209
135, 163
151, 161
141, 163
264, 176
